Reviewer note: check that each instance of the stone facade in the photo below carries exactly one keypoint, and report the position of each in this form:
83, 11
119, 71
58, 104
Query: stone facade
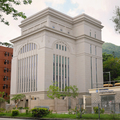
80, 45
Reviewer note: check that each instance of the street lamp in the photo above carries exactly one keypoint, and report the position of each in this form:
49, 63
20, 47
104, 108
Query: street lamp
109, 76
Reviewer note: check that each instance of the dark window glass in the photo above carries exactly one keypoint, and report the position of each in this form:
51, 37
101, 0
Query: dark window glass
62, 47
56, 46
5, 53
6, 86
8, 53
59, 47
65, 48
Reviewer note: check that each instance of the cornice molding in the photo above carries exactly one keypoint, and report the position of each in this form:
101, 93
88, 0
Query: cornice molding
45, 28
51, 12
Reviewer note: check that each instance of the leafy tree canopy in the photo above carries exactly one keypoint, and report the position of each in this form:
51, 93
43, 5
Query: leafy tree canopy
54, 91
1, 98
106, 56
6, 6
18, 97
113, 65
116, 19
6, 44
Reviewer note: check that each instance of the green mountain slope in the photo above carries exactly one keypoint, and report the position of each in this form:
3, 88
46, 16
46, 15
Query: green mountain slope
109, 48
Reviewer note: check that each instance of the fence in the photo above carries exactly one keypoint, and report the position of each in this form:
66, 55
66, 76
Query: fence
98, 108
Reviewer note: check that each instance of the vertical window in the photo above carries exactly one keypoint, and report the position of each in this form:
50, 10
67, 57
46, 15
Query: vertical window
32, 73
62, 47
95, 50
30, 46
27, 47
65, 71
95, 35
57, 70
65, 48
25, 75
56, 46
91, 71
90, 49
68, 73
53, 69
60, 72
18, 75
59, 47
96, 73
90, 33
36, 70
29, 71
23, 49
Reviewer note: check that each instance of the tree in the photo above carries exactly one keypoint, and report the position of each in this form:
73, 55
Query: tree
55, 91
113, 65
17, 97
106, 56
116, 19
1, 98
6, 6
6, 44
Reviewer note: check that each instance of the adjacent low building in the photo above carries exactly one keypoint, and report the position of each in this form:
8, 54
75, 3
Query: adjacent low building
56, 48
5, 70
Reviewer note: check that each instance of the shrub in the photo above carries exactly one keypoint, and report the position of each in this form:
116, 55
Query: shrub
96, 110
15, 112
26, 111
20, 107
2, 110
40, 112
26, 108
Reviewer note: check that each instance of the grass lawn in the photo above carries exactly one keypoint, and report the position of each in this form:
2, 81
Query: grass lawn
71, 116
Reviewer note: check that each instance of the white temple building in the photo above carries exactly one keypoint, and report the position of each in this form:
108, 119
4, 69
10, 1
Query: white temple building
56, 48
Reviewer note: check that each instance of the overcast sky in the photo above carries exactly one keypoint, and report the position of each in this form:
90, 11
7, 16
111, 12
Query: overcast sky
101, 10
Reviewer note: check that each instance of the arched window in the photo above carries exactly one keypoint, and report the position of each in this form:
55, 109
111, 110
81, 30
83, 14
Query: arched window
61, 65
27, 68
28, 47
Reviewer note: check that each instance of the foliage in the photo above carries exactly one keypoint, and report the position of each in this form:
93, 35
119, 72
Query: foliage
116, 19
40, 112
73, 111
106, 56
1, 98
6, 44
110, 48
6, 6
15, 112
54, 91
112, 65
20, 108
96, 110
26, 108
18, 97
118, 78
2, 110
27, 111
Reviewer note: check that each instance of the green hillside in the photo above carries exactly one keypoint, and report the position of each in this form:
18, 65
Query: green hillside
109, 48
